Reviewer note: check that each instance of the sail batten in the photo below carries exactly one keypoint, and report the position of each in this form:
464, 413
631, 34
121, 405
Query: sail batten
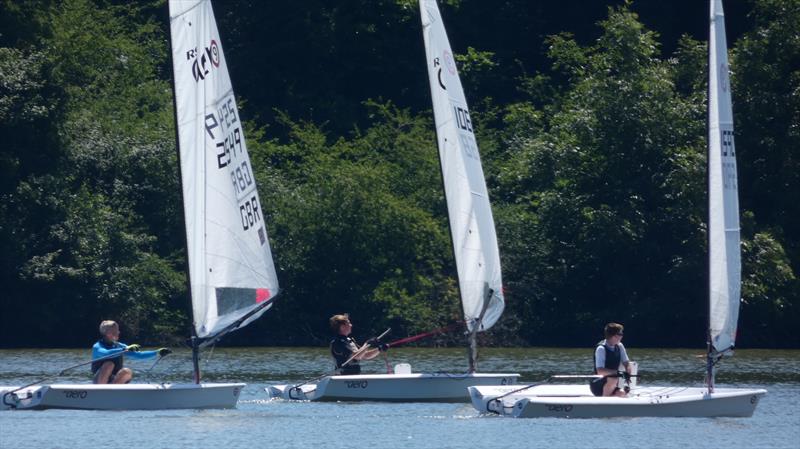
723, 220
471, 223
231, 272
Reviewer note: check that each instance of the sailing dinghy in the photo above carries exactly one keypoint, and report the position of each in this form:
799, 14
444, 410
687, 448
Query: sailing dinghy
576, 401
474, 246
231, 272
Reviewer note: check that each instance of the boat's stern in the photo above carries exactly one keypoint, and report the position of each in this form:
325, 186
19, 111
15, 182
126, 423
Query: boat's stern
483, 397
292, 392
26, 398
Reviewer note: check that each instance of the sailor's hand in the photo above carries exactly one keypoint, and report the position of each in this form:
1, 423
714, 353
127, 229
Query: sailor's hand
133, 348
624, 374
163, 352
373, 342
383, 347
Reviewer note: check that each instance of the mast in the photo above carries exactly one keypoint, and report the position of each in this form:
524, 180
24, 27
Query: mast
709, 348
472, 348
193, 340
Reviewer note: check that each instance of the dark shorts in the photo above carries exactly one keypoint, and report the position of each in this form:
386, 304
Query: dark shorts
350, 370
596, 385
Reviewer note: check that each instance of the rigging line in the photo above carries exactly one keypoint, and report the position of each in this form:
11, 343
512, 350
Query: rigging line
536, 384
389, 369
414, 338
211, 352
148, 370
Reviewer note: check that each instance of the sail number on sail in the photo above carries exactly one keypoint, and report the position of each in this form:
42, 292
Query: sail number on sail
465, 133
728, 158
223, 128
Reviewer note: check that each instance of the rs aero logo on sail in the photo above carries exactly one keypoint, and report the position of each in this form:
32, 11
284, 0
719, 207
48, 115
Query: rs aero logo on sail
448, 62
203, 61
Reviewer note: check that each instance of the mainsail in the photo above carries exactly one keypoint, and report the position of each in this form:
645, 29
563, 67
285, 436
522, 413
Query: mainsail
471, 223
231, 272
723, 202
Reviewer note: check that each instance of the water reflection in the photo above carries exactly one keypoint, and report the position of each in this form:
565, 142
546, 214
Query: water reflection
257, 422
267, 365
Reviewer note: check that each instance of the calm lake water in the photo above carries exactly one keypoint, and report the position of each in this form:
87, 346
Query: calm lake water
278, 424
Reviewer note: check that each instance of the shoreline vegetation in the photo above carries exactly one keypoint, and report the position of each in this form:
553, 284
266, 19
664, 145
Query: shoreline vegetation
591, 127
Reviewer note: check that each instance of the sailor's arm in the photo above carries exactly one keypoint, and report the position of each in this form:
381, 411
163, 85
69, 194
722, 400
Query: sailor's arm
142, 355
98, 351
367, 354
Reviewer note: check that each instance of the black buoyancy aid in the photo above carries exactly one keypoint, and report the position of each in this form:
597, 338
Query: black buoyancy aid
341, 352
613, 357
117, 360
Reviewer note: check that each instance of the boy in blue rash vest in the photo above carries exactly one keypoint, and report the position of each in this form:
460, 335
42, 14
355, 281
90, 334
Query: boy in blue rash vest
111, 370
608, 357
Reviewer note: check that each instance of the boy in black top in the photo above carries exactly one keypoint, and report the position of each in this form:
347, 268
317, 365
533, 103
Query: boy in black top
343, 346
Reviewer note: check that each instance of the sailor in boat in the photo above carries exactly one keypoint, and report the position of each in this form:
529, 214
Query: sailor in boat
343, 346
608, 357
111, 371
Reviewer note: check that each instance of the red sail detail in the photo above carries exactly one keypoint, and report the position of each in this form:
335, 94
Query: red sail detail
262, 294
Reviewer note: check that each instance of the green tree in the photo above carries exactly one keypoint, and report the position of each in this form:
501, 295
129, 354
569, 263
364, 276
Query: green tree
610, 193
83, 217
766, 97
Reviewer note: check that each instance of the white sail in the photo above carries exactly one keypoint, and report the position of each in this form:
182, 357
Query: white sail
471, 223
230, 262
723, 217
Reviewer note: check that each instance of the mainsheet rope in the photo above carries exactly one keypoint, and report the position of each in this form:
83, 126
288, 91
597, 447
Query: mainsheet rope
414, 338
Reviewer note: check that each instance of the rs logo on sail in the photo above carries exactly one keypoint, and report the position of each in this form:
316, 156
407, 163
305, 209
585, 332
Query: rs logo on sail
200, 67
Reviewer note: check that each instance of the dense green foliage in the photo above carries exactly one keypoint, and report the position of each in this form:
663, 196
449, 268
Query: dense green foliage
592, 134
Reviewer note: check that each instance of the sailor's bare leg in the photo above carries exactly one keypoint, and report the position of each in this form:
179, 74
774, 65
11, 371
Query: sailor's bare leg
104, 373
608, 388
123, 376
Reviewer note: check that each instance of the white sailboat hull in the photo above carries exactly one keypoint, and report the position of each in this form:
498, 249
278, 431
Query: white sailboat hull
124, 397
577, 401
415, 387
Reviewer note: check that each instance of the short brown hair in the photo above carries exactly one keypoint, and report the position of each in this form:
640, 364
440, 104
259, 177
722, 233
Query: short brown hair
613, 329
338, 320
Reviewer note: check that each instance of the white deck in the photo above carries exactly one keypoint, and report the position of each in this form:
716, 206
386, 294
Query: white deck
577, 401
413, 387
123, 397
